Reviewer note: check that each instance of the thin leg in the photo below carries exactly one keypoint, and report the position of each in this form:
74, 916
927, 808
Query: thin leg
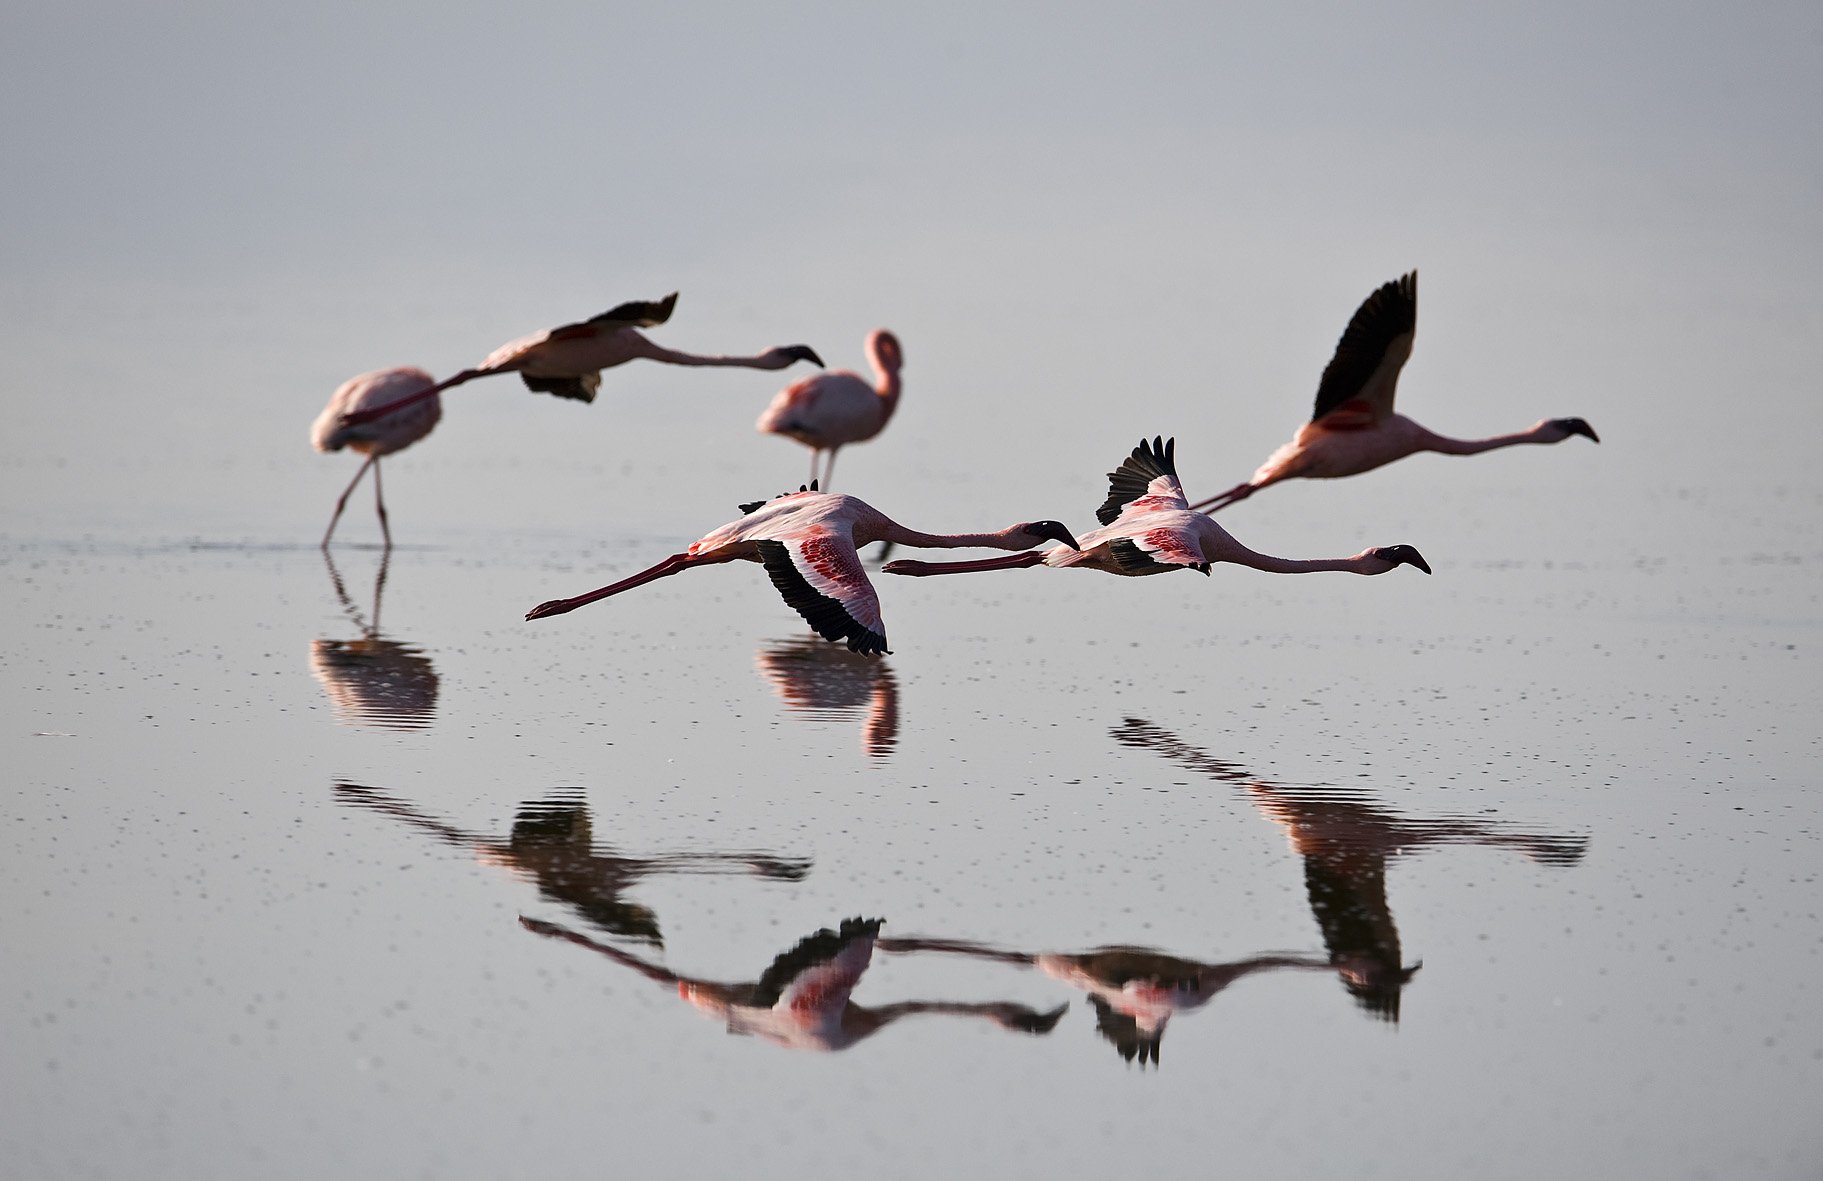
649, 971
816, 453
1216, 504
343, 502
379, 502
829, 469
918, 569
669, 566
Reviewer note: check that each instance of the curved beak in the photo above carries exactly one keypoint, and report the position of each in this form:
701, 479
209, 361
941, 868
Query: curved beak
1401, 555
1577, 426
804, 352
1054, 531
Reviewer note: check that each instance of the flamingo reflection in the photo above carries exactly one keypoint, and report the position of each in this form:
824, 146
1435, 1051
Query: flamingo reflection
371, 680
822, 681
802, 1000
1134, 990
552, 846
1346, 844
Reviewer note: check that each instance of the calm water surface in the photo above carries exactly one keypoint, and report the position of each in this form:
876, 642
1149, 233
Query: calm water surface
340, 867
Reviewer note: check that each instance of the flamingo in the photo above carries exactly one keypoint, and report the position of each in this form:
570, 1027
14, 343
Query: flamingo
826, 410
380, 432
801, 1001
1353, 428
567, 360
807, 541
1150, 529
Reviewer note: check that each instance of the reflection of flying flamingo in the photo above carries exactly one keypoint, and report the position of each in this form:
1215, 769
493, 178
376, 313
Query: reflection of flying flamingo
826, 410
374, 681
568, 360
381, 432
1353, 428
552, 847
1149, 529
1345, 845
801, 1001
1134, 990
807, 542
821, 681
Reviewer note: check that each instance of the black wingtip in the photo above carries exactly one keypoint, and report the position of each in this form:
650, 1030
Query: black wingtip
1127, 483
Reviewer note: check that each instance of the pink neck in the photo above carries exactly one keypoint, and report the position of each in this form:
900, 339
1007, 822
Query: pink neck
1448, 446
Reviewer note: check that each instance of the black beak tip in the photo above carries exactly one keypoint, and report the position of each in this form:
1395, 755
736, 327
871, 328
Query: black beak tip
810, 354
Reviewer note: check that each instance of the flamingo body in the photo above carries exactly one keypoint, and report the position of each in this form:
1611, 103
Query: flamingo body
807, 542
1148, 528
1353, 427
828, 410
420, 409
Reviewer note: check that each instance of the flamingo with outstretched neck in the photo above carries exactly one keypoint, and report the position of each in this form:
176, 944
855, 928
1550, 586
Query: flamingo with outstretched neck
827, 410
807, 541
567, 360
1149, 528
1353, 428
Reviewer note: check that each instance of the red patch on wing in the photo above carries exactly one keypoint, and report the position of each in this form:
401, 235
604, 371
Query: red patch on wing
832, 559
1356, 414
1170, 547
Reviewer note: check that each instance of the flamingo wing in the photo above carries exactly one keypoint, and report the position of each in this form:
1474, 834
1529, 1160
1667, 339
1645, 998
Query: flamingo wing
1359, 382
821, 971
820, 577
1159, 548
638, 313
1146, 480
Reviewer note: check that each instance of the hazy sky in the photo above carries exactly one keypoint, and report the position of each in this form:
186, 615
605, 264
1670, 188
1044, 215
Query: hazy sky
1157, 221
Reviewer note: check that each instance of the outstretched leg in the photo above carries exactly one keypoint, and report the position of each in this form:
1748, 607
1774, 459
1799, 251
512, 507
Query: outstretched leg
918, 569
669, 566
1216, 504
343, 502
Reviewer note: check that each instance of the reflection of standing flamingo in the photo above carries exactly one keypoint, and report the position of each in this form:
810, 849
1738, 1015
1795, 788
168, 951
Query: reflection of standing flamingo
1345, 845
821, 681
380, 432
1151, 530
1134, 990
374, 681
552, 846
807, 542
801, 1001
1353, 428
826, 410
567, 361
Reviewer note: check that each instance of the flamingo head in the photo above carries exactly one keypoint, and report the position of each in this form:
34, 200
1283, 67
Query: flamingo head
1048, 531
798, 352
1573, 426
884, 349
1399, 555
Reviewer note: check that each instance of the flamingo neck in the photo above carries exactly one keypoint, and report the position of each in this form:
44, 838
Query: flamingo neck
1272, 565
1448, 446
1014, 538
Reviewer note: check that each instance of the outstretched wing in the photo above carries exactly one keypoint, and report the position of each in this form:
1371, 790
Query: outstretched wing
820, 577
638, 313
1359, 382
821, 971
1153, 551
1149, 475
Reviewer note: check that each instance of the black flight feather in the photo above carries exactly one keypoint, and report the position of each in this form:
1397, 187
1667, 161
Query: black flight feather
1383, 317
639, 313
1129, 482
810, 951
582, 389
751, 505
825, 615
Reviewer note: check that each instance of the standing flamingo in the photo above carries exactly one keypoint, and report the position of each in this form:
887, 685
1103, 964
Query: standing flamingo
1150, 529
380, 432
807, 541
568, 360
826, 410
1353, 428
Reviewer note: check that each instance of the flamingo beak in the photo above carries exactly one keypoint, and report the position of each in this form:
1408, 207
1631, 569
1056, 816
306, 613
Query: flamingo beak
1052, 531
803, 352
1577, 426
1401, 555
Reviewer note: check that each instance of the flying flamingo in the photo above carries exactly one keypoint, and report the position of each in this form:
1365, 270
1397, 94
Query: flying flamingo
568, 360
807, 541
801, 1002
380, 432
1150, 529
826, 410
1353, 428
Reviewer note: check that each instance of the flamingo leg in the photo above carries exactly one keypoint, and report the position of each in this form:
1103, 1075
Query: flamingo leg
918, 569
1216, 504
379, 503
669, 566
829, 469
343, 502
